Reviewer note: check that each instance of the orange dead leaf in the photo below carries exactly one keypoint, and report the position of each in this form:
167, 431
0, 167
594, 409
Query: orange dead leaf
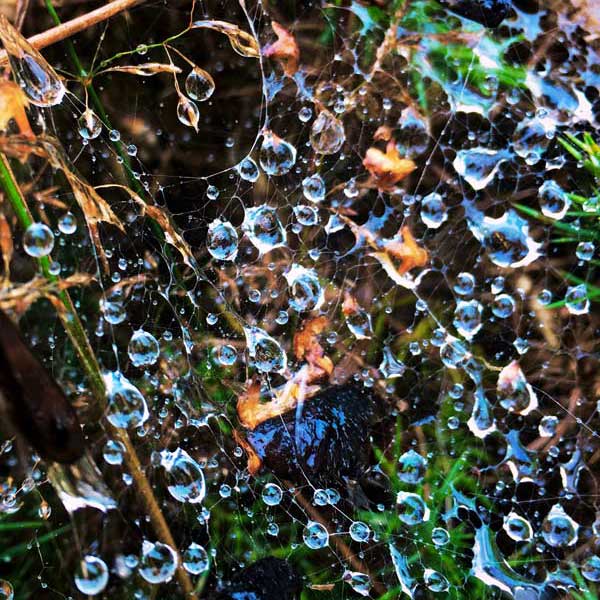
383, 133
6, 245
13, 103
254, 462
241, 41
387, 168
407, 251
307, 347
285, 49
145, 69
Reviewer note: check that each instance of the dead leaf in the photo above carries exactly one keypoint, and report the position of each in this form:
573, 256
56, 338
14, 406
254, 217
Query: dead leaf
13, 103
6, 245
407, 251
387, 168
307, 347
285, 49
254, 462
241, 41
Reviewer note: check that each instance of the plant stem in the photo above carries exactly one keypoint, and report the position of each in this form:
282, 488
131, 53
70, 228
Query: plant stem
76, 332
65, 30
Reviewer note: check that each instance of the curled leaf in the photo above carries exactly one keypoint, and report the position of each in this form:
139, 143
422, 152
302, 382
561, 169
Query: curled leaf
405, 249
241, 41
285, 49
145, 69
387, 168
13, 103
308, 348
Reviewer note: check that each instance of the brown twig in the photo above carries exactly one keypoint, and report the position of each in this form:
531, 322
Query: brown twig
69, 28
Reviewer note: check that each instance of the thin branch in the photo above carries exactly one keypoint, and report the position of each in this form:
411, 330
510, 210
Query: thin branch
69, 28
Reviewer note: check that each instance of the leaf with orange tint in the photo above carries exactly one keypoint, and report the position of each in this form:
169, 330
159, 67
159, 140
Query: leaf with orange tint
13, 103
387, 168
285, 49
6, 246
308, 348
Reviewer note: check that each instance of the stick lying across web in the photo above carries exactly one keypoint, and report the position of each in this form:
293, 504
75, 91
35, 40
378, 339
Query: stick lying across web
69, 28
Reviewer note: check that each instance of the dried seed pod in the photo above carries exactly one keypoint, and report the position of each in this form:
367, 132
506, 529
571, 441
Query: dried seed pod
323, 440
33, 400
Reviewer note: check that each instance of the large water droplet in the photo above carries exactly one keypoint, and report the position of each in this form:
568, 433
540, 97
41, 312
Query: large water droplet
6, 590
248, 170
313, 188
554, 202
92, 575
517, 528
265, 352
558, 529
412, 509
576, 299
185, 477
38, 240
306, 292
199, 85
467, 318
158, 562
433, 211
127, 406
195, 559
359, 582
263, 228
327, 133
513, 391
478, 166
272, 494
276, 156
143, 348
315, 535
222, 240
412, 467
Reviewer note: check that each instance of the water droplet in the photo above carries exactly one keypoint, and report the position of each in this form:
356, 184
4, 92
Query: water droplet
306, 215
263, 228
435, 581
532, 138
315, 535
558, 529
439, 536
113, 452
306, 293
465, 284
576, 299
92, 575
67, 224
433, 211
6, 590
412, 467
158, 562
187, 112
554, 202
359, 582
514, 393
38, 240
186, 480
411, 134
548, 425
517, 528
360, 531
143, 348
226, 355
503, 306
585, 251
266, 353
327, 133
127, 406
412, 509
195, 559
248, 170
276, 156
222, 240
467, 318
591, 568
313, 188
89, 125
479, 166
199, 85
272, 494
390, 366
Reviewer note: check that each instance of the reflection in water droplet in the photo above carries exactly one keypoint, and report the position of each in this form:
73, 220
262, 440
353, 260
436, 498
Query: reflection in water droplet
248, 170
6, 590
89, 125
517, 528
576, 299
306, 293
272, 494
359, 582
435, 581
313, 188
195, 559
412, 509
478, 166
554, 202
433, 211
412, 467
558, 529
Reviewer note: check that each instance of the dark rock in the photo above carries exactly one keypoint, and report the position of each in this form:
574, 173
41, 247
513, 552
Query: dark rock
267, 579
324, 442
487, 12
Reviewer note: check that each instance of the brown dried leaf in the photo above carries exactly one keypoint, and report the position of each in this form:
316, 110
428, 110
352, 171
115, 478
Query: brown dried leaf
13, 103
387, 168
307, 347
407, 251
145, 69
241, 41
285, 49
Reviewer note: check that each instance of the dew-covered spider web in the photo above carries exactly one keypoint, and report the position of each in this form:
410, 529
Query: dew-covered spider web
336, 268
